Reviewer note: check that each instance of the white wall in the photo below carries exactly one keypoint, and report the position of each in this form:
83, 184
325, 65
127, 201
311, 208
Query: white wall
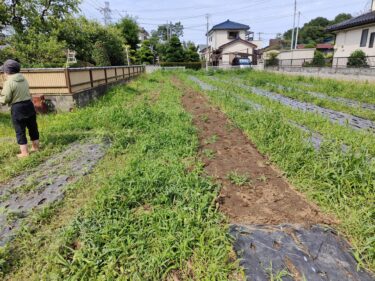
347, 41
297, 54
229, 52
218, 38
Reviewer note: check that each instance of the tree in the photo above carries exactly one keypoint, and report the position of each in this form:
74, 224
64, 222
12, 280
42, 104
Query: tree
315, 31
167, 31
145, 54
100, 54
81, 34
341, 17
129, 31
38, 14
174, 51
36, 49
357, 59
191, 52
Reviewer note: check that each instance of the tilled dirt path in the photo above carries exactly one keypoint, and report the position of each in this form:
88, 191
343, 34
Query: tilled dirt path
274, 227
267, 198
44, 185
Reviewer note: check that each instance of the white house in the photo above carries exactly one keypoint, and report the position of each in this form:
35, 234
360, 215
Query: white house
228, 40
354, 34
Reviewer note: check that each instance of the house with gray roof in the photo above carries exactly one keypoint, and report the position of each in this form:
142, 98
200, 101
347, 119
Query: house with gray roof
355, 34
229, 40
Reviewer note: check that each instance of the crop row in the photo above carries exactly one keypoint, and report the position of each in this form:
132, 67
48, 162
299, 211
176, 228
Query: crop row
155, 217
340, 183
292, 89
333, 132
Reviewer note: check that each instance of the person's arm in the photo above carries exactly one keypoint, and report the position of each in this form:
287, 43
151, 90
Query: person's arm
6, 94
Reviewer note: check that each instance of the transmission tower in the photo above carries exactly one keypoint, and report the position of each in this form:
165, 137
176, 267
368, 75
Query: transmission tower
106, 12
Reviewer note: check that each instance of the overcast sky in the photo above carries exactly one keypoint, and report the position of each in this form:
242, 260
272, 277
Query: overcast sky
266, 16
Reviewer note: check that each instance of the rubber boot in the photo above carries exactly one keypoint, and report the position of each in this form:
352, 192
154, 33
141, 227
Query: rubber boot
35, 146
24, 151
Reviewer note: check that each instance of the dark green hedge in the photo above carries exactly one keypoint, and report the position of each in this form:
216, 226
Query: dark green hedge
188, 65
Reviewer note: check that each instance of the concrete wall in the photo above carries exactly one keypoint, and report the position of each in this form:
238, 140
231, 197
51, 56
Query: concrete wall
355, 74
347, 41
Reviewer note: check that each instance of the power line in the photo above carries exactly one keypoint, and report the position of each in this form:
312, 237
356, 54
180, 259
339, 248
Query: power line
107, 12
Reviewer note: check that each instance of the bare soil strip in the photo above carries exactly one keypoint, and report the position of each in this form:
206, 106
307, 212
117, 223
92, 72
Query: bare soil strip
274, 227
44, 185
266, 198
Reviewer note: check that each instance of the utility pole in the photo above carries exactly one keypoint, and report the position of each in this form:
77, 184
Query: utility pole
207, 48
127, 54
259, 35
106, 11
299, 18
294, 24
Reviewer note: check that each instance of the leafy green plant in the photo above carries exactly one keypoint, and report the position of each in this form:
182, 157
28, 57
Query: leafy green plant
209, 153
211, 140
239, 179
357, 59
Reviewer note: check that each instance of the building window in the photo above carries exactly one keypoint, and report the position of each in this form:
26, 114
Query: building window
364, 38
232, 34
372, 39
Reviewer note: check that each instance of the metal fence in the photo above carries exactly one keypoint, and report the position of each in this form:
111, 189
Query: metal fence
67, 81
337, 62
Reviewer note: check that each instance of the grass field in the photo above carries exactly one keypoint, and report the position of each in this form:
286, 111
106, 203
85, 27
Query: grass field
148, 212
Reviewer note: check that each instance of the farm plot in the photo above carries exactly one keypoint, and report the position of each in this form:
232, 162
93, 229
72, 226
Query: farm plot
153, 215
339, 180
158, 203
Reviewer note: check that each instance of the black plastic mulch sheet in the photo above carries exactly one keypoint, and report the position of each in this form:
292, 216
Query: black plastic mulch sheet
289, 253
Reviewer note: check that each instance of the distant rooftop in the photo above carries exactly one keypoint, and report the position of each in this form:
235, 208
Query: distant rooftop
354, 22
230, 25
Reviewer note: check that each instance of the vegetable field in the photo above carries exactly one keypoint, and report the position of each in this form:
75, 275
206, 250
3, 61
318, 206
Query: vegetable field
163, 178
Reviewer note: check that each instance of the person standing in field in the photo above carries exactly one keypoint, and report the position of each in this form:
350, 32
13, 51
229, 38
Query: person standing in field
16, 94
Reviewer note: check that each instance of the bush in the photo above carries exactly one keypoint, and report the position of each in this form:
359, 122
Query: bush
272, 59
319, 59
357, 59
188, 65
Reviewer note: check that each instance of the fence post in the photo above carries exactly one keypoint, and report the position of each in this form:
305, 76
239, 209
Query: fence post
123, 73
105, 75
91, 80
67, 79
116, 73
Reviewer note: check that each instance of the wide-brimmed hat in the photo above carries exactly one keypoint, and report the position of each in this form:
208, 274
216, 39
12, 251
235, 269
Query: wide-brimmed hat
10, 67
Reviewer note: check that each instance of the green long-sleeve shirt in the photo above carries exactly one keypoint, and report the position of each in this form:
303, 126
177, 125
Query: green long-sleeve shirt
15, 89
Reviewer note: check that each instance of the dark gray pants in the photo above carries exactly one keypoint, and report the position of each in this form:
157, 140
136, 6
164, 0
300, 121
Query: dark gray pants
24, 116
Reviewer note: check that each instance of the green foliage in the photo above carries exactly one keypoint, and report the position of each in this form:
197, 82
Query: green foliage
357, 59
100, 54
129, 31
188, 65
145, 53
174, 51
191, 52
81, 34
315, 32
319, 59
271, 59
166, 31
36, 49
37, 14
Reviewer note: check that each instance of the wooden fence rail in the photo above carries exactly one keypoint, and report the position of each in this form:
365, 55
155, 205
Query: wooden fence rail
66, 88
68, 81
